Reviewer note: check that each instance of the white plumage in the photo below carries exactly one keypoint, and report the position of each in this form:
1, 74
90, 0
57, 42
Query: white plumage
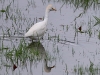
38, 29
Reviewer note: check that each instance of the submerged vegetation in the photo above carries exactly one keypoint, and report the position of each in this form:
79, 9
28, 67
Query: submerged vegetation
34, 51
85, 4
98, 20
91, 70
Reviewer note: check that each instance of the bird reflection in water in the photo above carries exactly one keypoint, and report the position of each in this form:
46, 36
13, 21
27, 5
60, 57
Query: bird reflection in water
37, 46
46, 68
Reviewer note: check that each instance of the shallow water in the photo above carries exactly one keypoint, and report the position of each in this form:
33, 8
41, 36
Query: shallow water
71, 51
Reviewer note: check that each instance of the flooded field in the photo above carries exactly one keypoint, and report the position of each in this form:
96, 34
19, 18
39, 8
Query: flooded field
70, 46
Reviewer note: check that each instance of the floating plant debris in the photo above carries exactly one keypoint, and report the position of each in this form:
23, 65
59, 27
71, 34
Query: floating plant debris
14, 67
80, 28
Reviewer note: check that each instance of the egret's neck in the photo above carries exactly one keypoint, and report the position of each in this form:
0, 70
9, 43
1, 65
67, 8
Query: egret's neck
46, 14
45, 63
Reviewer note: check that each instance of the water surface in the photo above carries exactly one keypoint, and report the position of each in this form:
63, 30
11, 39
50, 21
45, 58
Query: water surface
71, 51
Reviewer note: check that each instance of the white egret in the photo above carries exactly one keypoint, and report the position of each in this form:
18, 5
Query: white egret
38, 29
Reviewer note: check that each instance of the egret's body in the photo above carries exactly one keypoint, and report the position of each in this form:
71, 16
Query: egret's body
38, 29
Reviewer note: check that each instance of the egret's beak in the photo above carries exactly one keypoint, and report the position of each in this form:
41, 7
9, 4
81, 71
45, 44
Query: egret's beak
53, 9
